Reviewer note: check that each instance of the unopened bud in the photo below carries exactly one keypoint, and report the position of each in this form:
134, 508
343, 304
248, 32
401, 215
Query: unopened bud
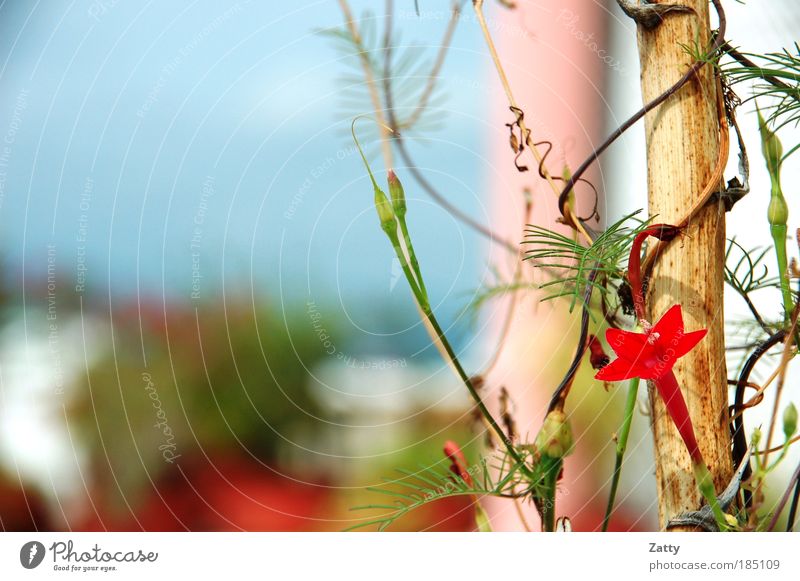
555, 437
777, 211
397, 194
597, 356
771, 146
789, 421
458, 463
755, 438
385, 211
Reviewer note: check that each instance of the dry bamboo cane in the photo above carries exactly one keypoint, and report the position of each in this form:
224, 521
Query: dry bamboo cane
682, 148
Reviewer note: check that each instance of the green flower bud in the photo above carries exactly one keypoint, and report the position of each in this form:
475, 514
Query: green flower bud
755, 438
771, 147
397, 194
778, 210
385, 211
555, 437
789, 421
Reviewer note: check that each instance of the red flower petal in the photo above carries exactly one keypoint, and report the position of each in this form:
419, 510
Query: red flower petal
670, 392
618, 370
653, 354
687, 342
670, 324
628, 345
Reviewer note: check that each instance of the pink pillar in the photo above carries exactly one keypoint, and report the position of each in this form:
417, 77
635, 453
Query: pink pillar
553, 54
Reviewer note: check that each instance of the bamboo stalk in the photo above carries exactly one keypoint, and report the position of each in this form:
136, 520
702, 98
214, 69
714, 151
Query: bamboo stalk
682, 151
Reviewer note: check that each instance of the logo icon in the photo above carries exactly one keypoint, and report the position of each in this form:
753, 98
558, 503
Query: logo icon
31, 554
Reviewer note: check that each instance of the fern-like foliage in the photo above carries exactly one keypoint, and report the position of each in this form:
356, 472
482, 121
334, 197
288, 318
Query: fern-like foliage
607, 255
409, 76
495, 476
499, 289
748, 273
783, 67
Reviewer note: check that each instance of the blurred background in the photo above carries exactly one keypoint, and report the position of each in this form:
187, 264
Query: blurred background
202, 326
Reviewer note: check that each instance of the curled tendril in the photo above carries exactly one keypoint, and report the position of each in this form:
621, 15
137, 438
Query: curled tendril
594, 214
518, 143
358, 144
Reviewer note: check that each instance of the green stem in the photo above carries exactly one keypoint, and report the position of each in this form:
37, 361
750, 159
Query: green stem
622, 444
778, 232
705, 483
777, 211
547, 498
415, 289
412, 255
361, 151
426, 309
425, 306
779, 459
415, 281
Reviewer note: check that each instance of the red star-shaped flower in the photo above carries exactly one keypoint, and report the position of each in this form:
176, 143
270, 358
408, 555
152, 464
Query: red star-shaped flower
652, 354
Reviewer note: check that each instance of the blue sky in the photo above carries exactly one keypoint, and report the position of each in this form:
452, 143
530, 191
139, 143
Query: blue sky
142, 126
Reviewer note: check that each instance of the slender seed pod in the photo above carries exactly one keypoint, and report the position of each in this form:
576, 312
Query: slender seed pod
789, 421
385, 212
397, 194
777, 211
771, 146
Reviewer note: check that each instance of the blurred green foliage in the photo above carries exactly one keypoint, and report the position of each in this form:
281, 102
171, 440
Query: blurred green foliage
176, 381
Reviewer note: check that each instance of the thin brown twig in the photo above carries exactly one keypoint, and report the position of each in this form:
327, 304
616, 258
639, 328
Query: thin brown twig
567, 212
782, 503
399, 141
453, 210
746, 62
369, 78
777, 448
433, 76
757, 397
783, 366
